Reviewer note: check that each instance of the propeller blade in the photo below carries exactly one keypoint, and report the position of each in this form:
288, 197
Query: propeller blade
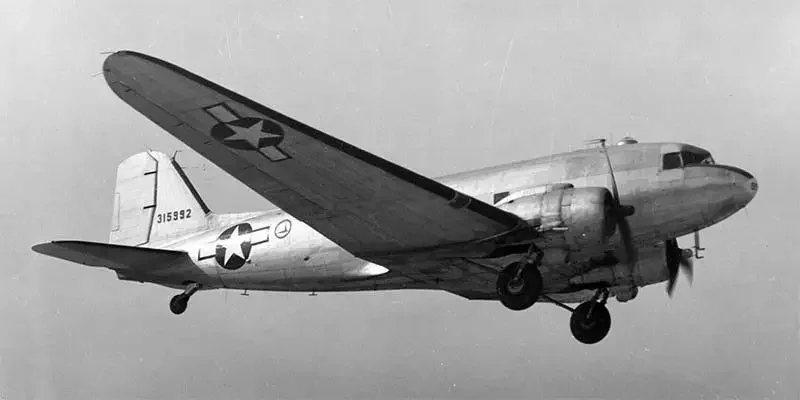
614, 190
687, 265
671, 283
677, 259
673, 264
620, 213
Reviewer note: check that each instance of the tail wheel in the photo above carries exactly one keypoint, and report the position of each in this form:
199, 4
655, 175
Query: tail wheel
519, 286
590, 322
178, 304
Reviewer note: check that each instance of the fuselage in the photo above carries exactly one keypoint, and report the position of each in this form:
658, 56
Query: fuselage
674, 188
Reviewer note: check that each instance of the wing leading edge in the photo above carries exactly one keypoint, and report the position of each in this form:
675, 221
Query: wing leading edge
368, 205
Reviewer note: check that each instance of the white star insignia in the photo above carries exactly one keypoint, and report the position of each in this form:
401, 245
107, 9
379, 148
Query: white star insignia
252, 134
233, 244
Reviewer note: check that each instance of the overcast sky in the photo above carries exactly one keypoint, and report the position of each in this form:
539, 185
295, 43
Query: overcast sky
438, 87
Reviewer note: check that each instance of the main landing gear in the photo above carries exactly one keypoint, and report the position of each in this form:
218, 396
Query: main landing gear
179, 302
519, 285
590, 321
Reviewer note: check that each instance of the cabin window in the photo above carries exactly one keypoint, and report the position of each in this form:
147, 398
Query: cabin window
672, 161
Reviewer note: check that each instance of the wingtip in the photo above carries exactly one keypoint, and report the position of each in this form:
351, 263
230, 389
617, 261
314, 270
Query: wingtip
127, 53
117, 64
120, 53
112, 56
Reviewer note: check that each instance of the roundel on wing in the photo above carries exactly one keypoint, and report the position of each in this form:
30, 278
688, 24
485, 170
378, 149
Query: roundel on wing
233, 246
248, 133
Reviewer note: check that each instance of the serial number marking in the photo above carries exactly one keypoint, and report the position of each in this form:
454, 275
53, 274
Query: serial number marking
171, 216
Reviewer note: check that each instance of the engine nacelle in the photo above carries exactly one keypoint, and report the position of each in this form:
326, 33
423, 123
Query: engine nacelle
581, 216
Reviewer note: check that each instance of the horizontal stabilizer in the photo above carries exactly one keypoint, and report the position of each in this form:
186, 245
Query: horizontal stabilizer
116, 257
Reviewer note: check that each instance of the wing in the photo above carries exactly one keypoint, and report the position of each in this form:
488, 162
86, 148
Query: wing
368, 205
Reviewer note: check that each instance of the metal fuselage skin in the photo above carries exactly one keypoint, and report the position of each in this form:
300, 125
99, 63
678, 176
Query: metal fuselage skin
285, 254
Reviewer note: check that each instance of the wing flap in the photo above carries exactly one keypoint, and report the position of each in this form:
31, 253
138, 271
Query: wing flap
364, 203
116, 257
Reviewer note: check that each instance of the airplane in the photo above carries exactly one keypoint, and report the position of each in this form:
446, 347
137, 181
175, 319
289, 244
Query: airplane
570, 228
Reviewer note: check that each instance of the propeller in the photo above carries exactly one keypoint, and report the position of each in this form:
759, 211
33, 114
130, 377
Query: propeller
620, 213
677, 259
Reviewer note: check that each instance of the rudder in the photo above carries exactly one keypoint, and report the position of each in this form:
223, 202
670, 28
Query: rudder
154, 201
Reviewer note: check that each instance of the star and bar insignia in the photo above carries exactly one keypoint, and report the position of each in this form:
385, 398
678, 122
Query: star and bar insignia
247, 133
233, 247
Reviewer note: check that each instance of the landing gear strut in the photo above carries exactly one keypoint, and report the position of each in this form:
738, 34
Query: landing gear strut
520, 284
591, 321
179, 302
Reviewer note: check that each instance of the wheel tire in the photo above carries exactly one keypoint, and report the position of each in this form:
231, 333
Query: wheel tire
590, 330
526, 292
178, 304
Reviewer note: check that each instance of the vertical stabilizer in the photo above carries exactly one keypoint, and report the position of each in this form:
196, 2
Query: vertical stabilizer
154, 201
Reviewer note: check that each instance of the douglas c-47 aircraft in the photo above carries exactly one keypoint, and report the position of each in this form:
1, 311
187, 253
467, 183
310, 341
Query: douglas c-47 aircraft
576, 227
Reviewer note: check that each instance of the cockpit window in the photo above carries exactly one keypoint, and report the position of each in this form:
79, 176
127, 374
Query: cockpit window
696, 158
672, 161
686, 158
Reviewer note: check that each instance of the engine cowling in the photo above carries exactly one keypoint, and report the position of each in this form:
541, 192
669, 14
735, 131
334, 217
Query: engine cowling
581, 216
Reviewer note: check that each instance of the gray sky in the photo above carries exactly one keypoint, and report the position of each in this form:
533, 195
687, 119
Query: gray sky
438, 87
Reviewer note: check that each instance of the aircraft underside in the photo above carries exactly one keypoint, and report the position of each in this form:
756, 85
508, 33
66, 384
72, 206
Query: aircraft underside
589, 282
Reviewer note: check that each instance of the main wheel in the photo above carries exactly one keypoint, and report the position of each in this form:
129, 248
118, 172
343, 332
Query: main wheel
590, 329
178, 304
519, 292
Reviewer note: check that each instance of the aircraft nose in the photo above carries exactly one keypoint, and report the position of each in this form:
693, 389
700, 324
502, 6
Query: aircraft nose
726, 190
745, 186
